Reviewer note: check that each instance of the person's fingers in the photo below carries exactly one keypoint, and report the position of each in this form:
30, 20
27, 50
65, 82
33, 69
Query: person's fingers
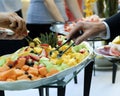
18, 24
18, 37
13, 37
75, 32
10, 37
13, 20
3, 35
81, 38
13, 23
21, 26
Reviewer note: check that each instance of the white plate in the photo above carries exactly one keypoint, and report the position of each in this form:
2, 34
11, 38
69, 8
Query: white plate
59, 29
106, 56
103, 67
8, 31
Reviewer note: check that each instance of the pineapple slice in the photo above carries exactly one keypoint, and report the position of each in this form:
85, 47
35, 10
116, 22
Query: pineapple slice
116, 40
37, 50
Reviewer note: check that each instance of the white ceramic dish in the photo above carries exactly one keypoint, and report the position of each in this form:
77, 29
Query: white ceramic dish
103, 67
9, 32
59, 28
106, 56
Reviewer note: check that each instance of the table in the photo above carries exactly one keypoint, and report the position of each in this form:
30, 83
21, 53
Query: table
61, 84
115, 65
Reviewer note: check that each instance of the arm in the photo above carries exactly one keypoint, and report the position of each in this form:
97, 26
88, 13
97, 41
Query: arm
89, 29
74, 8
114, 25
94, 28
54, 11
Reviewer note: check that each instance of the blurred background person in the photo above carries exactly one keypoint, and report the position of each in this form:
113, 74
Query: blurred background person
80, 2
11, 6
13, 45
73, 9
42, 13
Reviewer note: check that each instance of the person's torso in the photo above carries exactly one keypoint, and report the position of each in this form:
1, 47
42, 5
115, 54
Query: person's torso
10, 5
38, 13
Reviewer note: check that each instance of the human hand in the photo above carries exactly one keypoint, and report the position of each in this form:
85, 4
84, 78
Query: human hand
7, 34
15, 23
89, 29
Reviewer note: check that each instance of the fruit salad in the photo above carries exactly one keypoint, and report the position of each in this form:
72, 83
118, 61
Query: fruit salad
35, 62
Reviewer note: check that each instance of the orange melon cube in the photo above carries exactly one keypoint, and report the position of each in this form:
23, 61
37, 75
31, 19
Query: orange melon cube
19, 72
20, 62
43, 71
10, 80
33, 71
51, 72
9, 74
23, 77
25, 67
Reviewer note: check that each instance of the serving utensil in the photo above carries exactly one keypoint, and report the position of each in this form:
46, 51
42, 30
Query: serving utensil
28, 38
73, 44
62, 52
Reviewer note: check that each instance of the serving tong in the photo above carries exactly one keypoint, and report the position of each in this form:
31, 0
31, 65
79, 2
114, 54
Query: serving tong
67, 41
28, 38
62, 52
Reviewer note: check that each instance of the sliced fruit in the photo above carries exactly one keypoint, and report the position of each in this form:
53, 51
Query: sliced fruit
116, 40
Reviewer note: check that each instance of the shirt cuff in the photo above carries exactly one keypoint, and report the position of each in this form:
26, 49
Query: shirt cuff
107, 33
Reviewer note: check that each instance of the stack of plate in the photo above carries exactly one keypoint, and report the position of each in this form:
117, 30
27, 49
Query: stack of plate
102, 63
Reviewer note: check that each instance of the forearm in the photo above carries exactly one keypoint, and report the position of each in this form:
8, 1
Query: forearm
54, 11
74, 8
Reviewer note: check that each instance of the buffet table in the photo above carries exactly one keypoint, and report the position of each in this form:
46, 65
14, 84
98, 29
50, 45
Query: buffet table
115, 66
61, 84
58, 81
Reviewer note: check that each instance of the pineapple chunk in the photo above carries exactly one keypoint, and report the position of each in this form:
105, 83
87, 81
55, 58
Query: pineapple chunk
37, 49
116, 40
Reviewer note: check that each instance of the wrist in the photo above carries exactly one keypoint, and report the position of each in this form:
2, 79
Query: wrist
101, 27
103, 30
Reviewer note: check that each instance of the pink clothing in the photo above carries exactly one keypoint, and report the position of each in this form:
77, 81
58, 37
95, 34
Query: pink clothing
69, 14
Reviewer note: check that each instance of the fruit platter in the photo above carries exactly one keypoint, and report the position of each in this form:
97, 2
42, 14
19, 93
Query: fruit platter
34, 66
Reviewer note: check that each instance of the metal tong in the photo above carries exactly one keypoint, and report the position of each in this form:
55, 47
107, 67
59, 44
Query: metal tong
62, 52
28, 38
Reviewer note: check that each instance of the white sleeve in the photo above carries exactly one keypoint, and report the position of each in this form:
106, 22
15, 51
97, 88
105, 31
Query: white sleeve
103, 35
